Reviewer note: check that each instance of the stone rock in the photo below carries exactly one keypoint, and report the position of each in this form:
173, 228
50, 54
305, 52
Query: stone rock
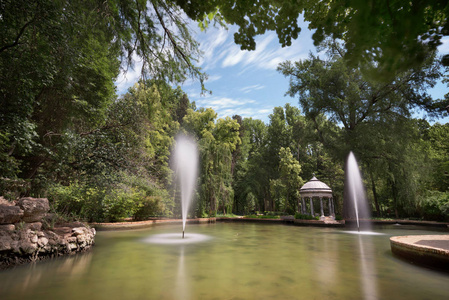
42, 242
7, 227
35, 226
78, 231
10, 214
27, 247
82, 241
6, 202
34, 239
34, 209
71, 239
72, 246
5, 241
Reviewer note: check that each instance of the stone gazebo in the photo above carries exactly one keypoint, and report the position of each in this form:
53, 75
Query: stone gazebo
316, 189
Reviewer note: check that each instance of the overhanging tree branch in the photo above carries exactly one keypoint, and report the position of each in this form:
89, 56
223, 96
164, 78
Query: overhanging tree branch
172, 40
21, 32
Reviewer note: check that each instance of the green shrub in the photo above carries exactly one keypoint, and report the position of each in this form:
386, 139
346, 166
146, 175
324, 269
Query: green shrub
278, 213
300, 216
121, 203
261, 217
67, 199
290, 211
98, 204
434, 205
151, 206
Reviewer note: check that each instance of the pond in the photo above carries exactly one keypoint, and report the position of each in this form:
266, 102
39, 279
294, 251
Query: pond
235, 261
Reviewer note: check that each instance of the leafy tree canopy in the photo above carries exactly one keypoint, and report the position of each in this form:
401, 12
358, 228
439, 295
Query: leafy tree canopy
346, 95
396, 34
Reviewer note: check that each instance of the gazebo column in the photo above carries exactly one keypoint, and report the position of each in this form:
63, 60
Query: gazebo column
312, 213
330, 207
321, 207
303, 207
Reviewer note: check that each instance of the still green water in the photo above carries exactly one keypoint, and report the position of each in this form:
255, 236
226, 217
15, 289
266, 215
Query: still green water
239, 261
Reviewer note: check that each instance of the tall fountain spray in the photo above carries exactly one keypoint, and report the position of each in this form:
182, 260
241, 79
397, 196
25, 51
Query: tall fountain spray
186, 168
355, 190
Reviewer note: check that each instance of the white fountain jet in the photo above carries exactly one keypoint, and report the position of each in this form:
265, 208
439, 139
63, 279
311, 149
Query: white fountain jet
186, 170
356, 190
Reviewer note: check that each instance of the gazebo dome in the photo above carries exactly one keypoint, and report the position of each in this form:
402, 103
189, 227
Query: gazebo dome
315, 188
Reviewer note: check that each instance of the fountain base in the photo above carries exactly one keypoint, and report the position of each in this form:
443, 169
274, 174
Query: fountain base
174, 239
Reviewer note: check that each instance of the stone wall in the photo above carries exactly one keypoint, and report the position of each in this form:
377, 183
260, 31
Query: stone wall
27, 233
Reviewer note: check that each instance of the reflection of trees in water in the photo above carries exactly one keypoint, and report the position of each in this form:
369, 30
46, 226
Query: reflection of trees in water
29, 277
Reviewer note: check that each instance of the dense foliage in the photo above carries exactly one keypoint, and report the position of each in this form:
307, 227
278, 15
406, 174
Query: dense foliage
66, 135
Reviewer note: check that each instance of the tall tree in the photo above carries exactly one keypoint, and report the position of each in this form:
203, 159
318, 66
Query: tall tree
59, 60
346, 96
251, 180
217, 140
290, 171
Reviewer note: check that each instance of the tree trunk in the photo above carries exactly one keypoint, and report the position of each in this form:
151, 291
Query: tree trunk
376, 202
395, 199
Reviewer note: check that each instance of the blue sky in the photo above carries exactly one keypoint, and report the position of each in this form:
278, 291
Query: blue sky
246, 82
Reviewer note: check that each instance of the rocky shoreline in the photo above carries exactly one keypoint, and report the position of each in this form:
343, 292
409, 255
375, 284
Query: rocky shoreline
28, 233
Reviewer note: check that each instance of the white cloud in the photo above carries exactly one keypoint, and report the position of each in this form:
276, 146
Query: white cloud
248, 89
227, 107
213, 78
127, 79
218, 103
210, 40
219, 49
267, 55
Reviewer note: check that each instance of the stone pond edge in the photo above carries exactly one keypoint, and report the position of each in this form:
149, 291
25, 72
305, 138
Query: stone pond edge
431, 256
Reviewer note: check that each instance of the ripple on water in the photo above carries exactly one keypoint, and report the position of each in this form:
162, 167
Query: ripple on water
176, 238
364, 232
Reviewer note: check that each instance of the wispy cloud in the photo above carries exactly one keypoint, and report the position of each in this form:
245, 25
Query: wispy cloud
248, 89
213, 78
220, 50
218, 103
267, 55
229, 106
210, 44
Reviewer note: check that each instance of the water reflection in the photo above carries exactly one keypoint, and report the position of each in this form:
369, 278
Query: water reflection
328, 265
29, 277
181, 284
367, 268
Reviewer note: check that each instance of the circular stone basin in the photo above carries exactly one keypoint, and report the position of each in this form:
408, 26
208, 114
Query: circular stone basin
431, 250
